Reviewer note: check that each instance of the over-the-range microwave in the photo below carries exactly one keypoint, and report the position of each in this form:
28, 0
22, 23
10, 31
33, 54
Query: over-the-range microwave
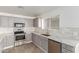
19, 24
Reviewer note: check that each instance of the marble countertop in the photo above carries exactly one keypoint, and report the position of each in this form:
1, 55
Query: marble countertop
66, 40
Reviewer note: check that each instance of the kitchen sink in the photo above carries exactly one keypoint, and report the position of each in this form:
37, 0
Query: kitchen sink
46, 34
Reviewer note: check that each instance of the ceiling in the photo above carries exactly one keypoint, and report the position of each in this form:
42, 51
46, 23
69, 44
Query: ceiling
27, 10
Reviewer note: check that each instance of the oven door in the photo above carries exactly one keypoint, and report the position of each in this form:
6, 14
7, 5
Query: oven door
20, 37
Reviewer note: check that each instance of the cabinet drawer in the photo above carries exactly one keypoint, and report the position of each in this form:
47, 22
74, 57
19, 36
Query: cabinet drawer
68, 47
66, 51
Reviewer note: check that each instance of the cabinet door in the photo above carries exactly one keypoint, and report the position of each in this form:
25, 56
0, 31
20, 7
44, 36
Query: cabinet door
35, 22
33, 38
68, 47
44, 43
40, 42
4, 21
28, 23
19, 20
28, 37
36, 40
10, 40
4, 41
53, 46
11, 22
66, 51
1, 44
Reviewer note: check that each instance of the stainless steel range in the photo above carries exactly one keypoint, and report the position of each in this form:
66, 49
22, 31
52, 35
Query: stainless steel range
19, 35
18, 31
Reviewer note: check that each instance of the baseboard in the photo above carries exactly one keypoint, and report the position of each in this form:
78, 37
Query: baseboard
13, 45
8, 47
29, 42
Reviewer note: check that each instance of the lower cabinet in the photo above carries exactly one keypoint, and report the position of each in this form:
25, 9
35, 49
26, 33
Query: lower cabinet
51, 46
8, 40
44, 43
54, 47
67, 48
40, 42
28, 37
1, 44
66, 51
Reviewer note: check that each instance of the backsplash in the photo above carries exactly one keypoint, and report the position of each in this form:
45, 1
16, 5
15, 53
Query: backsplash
63, 32
5, 30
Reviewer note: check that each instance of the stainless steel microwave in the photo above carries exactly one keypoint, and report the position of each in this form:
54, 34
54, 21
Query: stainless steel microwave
19, 24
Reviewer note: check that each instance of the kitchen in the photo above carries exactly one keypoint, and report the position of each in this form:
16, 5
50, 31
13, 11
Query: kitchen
41, 29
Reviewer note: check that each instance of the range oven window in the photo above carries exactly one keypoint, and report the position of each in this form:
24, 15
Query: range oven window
19, 24
20, 37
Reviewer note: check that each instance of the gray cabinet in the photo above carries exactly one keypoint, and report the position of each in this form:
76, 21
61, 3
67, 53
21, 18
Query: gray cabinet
1, 44
28, 37
67, 48
36, 39
35, 22
8, 40
40, 42
44, 43
28, 22
51, 23
11, 21
4, 21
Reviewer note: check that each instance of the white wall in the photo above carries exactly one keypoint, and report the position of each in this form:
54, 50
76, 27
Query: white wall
69, 16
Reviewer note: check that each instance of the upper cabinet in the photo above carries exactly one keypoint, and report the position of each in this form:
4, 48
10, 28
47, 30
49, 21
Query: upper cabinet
55, 22
3, 21
19, 20
28, 22
35, 22
50, 23
7, 21
11, 21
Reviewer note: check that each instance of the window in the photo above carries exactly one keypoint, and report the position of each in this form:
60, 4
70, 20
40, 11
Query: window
40, 23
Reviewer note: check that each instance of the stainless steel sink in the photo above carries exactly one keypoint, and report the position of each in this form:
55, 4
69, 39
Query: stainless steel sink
46, 34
